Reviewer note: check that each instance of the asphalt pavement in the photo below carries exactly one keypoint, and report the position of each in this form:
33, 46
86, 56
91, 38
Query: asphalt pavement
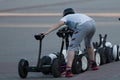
20, 20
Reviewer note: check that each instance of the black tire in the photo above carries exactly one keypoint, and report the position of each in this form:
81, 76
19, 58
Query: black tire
76, 65
97, 58
62, 61
115, 52
46, 60
23, 66
102, 55
85, 61
118, 53
55, 68
108, 54
61, 58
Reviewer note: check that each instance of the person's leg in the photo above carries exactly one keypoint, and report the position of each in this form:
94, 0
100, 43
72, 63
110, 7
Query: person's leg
88, 39
92, 59
70, 57
76, 39
91, 53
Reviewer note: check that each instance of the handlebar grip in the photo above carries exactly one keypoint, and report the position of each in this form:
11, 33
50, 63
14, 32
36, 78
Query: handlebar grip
39, 36
119, 19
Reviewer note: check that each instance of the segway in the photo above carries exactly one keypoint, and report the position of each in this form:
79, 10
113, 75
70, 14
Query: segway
104, 48
99, 48
65, 33
51, 64
108, 50
80, 62
23, 65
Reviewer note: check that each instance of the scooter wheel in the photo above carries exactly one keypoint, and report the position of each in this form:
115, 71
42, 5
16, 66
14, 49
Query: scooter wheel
115, 52
97, 58
55, 68
85, 62
46, 60
76, 66
118, 53
23, 68
101, 51
108, 54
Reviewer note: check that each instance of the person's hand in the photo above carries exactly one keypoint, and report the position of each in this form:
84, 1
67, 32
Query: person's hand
44, 33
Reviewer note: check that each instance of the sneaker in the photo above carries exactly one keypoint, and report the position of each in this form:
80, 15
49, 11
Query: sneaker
68, 73
94, 65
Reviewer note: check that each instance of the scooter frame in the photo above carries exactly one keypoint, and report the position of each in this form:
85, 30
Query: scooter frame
23, 65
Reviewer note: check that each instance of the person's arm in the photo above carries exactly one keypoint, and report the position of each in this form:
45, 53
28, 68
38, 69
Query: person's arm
56, 26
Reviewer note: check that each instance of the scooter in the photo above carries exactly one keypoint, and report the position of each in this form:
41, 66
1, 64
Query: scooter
47, 64
104, 50
23, 65
54, 63
81, 58
64, 33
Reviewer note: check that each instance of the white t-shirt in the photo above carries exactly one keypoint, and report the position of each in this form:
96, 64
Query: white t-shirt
72, 19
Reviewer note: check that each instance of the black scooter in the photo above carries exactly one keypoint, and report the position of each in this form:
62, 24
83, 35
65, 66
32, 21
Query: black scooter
59, 63
23, 65
81, 58
54, 66
45, 64
104, 50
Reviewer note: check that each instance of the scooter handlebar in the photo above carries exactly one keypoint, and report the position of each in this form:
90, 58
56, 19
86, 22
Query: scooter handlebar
39, 36
119, 19
64, 31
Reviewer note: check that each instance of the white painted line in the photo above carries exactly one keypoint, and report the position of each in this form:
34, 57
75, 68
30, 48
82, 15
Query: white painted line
58, 14
26, 25
30, 14
104, 14
50, 25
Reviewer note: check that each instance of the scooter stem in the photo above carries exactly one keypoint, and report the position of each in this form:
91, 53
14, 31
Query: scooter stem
39, 37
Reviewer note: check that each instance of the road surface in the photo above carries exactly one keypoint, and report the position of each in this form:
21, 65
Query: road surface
20, 20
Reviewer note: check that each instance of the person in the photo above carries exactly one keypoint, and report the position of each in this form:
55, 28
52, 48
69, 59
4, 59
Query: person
84, 29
